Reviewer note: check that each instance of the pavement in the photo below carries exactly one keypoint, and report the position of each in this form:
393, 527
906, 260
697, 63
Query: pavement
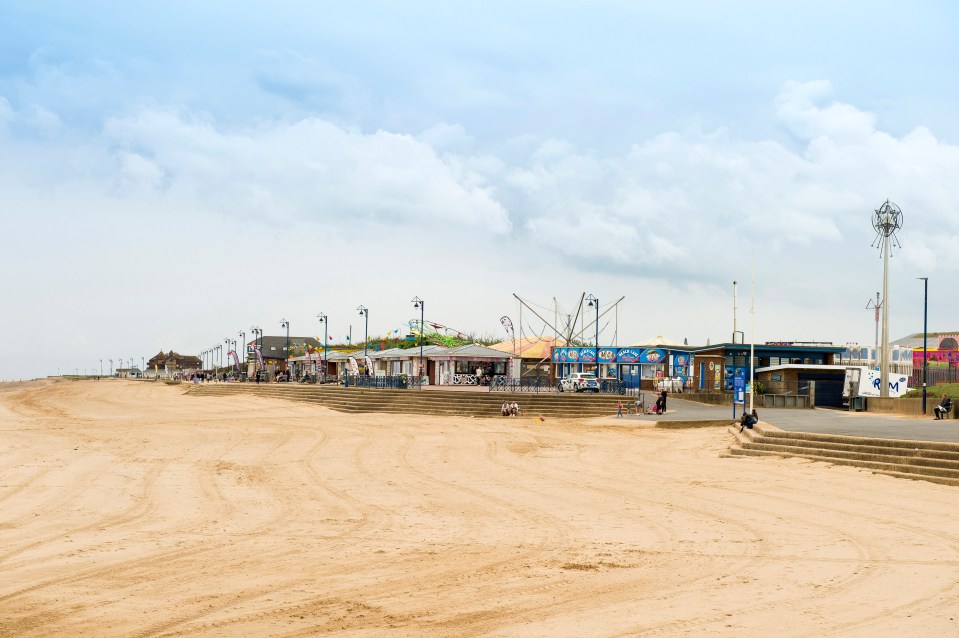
820, 421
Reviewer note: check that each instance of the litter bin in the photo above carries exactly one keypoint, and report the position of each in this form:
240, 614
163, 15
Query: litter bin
858, 403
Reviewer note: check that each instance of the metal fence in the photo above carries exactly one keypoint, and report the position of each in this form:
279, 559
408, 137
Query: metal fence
530, 384
398, 382
936, 376
782, 387
542, 384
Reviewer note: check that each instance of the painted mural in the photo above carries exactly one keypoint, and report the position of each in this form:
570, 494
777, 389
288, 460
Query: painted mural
936, 358
619, 355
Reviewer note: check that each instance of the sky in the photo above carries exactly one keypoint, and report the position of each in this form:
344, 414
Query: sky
174, 173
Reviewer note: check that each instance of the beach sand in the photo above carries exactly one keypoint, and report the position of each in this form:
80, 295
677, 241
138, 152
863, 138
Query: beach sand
133, 509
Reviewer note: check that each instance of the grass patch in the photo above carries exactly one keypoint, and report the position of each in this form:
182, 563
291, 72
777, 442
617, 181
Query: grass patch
949, 389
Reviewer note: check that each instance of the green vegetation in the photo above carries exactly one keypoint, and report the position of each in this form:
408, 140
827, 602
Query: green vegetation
380, 343
936, 391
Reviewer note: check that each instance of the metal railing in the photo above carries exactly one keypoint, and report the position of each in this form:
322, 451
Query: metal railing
398, 382
936, 376
530, 384
542, 384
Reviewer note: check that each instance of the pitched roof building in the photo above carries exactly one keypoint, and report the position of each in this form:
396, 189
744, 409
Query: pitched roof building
173, 362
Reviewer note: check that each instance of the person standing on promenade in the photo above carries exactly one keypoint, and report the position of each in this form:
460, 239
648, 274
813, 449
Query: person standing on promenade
619, 409
661, 403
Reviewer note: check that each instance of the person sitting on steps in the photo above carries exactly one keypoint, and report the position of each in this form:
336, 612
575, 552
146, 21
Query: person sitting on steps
944, 408
748, 420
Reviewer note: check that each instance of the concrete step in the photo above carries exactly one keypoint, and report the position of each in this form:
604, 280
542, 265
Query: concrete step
898, 469
923, 460
421, 402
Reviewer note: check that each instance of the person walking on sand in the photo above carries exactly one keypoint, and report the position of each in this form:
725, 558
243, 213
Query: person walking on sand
619, 409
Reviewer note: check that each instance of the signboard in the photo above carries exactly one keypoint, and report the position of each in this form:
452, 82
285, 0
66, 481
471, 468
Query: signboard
869, 382
739, 385
618, 355
653, 355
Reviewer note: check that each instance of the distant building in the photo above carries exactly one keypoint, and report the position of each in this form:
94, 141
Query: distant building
782, 366
167, 364
274, 352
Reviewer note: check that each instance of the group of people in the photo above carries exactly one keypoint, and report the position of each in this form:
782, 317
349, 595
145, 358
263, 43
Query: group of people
510, 409
657, 408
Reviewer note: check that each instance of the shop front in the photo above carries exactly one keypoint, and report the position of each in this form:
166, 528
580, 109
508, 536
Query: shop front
471, 365
629, 365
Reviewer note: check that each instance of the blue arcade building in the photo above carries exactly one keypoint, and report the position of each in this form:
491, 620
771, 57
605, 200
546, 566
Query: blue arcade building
630, 365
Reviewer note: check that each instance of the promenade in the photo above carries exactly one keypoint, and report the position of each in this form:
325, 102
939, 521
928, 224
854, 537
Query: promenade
822, 421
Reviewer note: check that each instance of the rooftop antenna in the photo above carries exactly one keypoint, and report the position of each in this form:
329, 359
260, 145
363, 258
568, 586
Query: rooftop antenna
886, 221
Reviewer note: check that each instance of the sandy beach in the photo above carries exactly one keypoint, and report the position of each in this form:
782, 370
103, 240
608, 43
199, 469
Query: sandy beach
133, 509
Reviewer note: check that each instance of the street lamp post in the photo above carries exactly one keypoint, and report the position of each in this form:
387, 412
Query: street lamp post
286, 324
419, 303
111, 366
322, 317
594, 302
257, 331
226, 340
925, 328
366, 333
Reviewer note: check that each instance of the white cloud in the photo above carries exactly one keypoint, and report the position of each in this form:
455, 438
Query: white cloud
675, 217
712, 189
309, 169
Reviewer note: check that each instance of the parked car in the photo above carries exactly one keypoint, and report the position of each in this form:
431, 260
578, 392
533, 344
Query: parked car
579, 382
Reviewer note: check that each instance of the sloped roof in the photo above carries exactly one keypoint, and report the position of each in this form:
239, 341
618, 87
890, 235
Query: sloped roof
409, 353
473, 350
389, 353
530, 347
331, 355
658, 341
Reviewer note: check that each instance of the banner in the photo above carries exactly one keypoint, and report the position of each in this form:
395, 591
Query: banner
869, 381
259, 357
628, 355
354, 366
369, 364
653, 355
619, 355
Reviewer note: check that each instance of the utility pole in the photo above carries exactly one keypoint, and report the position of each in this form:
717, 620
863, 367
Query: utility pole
886, 221
877, 305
